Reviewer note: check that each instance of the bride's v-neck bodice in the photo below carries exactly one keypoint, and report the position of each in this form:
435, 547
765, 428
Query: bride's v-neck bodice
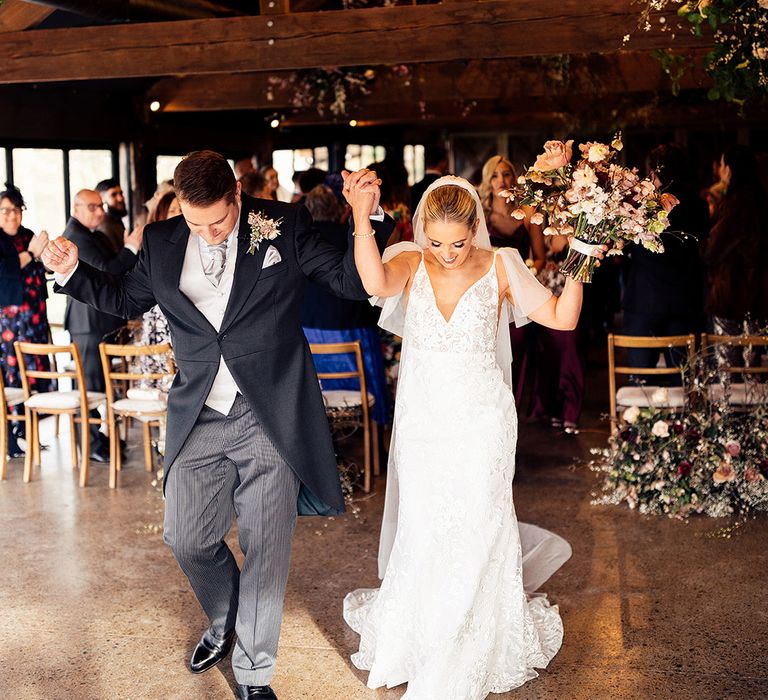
471, 328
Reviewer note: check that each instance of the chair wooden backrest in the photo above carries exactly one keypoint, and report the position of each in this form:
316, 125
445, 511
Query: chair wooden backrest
353, 348
712, 340
687, 342
128, 376
77, 373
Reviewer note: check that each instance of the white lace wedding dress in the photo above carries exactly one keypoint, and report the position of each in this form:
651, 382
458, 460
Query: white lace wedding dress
452, 618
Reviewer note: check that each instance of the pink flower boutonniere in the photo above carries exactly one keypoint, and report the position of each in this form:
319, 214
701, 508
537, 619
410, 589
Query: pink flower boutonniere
262, 228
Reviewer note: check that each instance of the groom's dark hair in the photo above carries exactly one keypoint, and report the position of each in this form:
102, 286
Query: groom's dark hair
203, 178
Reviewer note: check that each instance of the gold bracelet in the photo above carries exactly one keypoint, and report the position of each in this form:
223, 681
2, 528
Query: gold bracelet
363, 235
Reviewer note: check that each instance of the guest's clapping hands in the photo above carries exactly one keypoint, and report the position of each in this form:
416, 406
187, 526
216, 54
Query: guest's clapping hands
361, 190
37, 244
60, 255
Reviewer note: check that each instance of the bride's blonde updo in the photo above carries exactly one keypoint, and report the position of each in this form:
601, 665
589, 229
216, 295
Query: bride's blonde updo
451, 204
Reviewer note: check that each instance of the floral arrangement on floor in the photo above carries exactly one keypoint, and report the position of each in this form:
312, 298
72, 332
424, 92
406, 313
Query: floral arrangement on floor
595, 199
708, 459
738, 61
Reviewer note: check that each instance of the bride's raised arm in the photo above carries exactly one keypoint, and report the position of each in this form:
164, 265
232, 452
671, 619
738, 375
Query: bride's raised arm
379, 279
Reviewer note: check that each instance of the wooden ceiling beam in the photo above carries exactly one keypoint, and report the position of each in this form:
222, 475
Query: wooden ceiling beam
481, 79
17, 15
460, 30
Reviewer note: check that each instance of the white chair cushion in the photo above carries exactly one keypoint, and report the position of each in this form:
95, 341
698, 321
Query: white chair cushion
339, 398
140, 406
14, 396
64, 399
646, 396
147, 394
740, 394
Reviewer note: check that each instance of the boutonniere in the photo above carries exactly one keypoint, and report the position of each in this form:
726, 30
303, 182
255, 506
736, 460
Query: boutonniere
262, 228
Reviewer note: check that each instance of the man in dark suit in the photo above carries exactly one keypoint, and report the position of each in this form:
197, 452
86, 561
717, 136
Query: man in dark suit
246, 430
86, 325
435, 166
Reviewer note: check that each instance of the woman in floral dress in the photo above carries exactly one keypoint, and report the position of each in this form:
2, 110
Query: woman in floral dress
23, 293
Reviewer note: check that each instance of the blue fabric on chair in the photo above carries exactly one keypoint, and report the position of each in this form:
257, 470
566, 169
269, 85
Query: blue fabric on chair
373, 364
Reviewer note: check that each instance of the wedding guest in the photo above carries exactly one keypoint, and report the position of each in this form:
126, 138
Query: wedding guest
255, 185
559, 366
276, 191
435, 166
508, 232
736, 254
394, 197
112, 225
327, 318
663, 292
243, 166
23, 295
308, 180
86, 325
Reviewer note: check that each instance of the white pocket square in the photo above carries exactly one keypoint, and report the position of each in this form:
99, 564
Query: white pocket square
272, 257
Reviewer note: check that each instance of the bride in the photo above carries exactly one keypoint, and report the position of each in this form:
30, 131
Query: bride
454, 617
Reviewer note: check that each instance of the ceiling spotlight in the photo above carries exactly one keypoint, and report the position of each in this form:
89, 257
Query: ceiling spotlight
274, 122
154, 106
353, 122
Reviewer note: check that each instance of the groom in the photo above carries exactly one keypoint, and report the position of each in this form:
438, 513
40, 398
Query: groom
247, 434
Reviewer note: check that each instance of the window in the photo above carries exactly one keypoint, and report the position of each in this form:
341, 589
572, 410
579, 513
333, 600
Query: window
3, 173
288, 162
39, 174
413, 157
358, 156
165, 165
88, 168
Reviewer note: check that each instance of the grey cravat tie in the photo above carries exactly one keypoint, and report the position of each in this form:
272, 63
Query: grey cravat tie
217, 257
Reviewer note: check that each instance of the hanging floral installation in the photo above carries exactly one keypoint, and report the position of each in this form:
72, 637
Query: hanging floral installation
737, 63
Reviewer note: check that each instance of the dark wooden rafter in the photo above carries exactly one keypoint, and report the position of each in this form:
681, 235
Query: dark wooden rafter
461, 30
624, 72
16, 15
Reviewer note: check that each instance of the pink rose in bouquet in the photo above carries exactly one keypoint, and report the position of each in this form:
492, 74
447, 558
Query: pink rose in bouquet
556, 155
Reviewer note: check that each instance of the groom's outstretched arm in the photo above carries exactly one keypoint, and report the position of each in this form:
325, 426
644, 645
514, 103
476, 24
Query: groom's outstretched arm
327, 265
127, 296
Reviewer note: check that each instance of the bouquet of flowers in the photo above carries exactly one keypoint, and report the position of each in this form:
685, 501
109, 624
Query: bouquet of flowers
596, 200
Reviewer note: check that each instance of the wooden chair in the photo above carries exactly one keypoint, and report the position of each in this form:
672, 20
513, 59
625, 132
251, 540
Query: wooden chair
12, 396
361, 399
76, 404
125, 401
749, 392
643, 396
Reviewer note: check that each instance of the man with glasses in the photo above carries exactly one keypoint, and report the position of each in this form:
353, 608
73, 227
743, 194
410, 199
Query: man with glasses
86, 325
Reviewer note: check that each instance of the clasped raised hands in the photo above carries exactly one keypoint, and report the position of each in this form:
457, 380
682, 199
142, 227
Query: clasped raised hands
60, 255
361, 190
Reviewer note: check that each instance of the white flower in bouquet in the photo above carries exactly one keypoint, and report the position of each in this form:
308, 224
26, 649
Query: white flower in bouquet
660, 396
595, 152
631, 414
660, 429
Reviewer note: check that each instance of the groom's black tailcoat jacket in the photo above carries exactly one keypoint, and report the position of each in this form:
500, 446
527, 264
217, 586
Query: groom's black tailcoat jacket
261, 338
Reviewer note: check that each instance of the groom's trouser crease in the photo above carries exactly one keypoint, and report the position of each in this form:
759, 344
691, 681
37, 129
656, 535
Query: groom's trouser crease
229, 467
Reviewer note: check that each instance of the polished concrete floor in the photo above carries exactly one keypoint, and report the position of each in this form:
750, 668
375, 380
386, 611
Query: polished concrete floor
95, 608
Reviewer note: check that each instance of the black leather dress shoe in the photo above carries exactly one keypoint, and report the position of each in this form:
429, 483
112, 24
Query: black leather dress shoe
255, 692
210, 650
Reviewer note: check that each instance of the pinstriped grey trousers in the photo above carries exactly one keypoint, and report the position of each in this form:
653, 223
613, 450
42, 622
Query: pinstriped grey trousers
229, 468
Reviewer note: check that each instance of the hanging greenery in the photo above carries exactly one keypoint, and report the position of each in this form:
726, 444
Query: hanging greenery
738, 61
